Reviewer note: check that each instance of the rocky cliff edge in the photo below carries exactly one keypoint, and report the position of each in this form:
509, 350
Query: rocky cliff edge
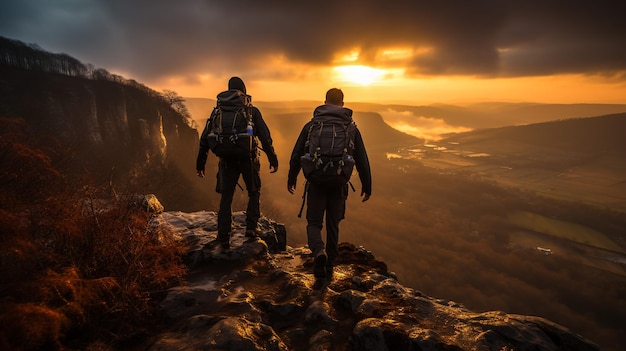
260, 295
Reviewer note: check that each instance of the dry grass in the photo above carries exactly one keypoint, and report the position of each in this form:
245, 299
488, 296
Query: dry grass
76, 270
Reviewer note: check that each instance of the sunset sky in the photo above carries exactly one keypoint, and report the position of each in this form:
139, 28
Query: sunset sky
416, 52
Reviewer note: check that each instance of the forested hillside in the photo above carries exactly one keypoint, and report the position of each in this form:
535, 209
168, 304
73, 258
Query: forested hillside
109, 129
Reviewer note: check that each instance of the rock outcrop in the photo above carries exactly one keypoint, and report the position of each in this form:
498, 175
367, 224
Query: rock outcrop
261, 295
106, 131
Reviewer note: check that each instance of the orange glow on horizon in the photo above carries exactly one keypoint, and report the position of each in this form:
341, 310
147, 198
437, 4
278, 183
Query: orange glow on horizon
366, 84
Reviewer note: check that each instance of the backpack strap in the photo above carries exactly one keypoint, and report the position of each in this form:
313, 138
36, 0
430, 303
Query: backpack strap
211, 117
307, 143
220, 117
316, 154
306, 190
332, 142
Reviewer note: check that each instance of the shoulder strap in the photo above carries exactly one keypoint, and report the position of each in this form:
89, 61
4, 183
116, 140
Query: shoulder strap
211, 118
308, 137
247, 112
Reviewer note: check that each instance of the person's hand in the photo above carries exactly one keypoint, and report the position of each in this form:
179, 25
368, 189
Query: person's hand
365, 196
200, 173
291, 188
273, 162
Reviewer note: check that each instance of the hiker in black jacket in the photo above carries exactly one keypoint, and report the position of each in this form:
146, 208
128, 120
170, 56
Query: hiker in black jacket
323, 198
230, 168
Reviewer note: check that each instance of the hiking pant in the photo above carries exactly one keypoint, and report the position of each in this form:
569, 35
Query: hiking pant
228, 176
332, 201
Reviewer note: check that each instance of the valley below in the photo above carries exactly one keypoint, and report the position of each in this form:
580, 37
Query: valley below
586, 183
599, 182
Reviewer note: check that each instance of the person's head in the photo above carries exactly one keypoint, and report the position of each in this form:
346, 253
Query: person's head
334, 96
236, 83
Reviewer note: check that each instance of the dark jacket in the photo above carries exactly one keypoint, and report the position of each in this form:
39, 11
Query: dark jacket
360, 155
260, 130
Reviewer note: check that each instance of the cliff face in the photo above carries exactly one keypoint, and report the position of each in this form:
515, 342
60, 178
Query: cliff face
107, 129
261, 295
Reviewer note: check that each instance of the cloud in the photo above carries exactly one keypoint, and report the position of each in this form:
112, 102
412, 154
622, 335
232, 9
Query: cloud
159, 38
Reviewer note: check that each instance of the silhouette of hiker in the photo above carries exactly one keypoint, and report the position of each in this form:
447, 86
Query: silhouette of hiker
231, 167
329, 199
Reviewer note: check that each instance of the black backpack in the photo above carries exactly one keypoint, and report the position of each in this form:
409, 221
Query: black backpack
329, 151
231, 130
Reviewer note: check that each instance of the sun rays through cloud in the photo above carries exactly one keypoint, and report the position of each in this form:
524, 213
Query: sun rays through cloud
358, 74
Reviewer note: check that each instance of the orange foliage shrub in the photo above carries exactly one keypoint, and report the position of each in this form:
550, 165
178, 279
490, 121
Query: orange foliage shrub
76, 269
29, 326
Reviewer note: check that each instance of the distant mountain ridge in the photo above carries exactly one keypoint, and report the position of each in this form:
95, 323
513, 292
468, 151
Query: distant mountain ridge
424, 117
593, 135
499, 114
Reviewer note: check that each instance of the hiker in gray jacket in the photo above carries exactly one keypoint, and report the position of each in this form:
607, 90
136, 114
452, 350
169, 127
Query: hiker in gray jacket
323, 197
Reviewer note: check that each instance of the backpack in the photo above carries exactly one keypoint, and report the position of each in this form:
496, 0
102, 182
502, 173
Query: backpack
329, 151
230, 127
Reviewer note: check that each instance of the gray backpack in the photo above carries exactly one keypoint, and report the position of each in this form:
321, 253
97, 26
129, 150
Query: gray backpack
329, 154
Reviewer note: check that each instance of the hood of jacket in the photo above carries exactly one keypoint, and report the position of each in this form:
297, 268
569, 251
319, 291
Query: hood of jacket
328, 110
233, 98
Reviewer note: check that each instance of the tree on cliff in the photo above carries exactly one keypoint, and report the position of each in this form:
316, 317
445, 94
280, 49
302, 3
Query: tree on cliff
178, 104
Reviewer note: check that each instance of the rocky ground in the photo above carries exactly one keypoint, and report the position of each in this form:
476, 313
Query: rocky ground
261, 295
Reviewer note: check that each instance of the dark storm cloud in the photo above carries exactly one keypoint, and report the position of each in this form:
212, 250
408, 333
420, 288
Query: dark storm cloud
481, 38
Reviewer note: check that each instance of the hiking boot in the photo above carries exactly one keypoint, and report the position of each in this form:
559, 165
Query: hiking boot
329, 270
225, 245
223, 242
218, 243
319, 266
253, 233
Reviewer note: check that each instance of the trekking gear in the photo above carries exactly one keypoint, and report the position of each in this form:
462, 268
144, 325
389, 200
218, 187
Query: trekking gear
276, 238
329, 271
319, 265
329, 151
306, 189
253, 233
222, 243
231, 130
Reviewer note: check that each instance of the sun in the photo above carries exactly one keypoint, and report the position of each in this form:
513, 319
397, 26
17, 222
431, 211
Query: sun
357, 74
